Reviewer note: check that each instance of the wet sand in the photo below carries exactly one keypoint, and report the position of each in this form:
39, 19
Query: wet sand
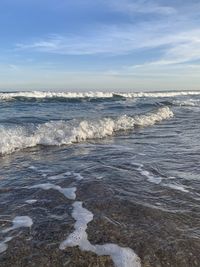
158, 237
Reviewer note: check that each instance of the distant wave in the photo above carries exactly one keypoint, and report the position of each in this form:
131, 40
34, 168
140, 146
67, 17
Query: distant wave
187, 103
40, 94
56, 133
72, 95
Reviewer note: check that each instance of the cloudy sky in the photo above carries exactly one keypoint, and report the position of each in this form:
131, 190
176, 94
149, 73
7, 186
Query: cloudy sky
100, 44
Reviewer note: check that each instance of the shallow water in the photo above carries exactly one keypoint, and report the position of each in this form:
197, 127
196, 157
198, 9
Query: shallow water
132, 160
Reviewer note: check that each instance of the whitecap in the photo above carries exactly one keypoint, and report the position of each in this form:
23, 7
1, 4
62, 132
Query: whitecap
48, 94
187, 103
57, 133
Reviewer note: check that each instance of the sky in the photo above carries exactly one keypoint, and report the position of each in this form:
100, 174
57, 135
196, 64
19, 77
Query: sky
126, 45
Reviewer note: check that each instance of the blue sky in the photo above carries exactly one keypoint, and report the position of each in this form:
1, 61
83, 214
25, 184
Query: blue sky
99, 44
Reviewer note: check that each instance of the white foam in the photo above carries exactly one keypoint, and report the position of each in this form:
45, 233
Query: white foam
42, 94
78, 176
64, 175
32, 168
79, 236
31, 201
122, 257
67, 192
3, 244
151, 178
159, 94
187, 103
18, 222
177, 187
63, 132
59, 176
157, 179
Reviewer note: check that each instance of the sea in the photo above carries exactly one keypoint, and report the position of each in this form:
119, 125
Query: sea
100, 179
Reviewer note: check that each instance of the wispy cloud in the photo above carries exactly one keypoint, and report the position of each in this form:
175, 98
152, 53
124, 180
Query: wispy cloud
176, 48
142, 6
169, 34
117, 42
13, 67
177, 39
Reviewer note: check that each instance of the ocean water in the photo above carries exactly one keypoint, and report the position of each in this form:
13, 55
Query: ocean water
100, 179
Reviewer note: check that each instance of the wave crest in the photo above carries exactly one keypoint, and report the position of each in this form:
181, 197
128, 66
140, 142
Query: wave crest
56, 133
187, 103
69, 95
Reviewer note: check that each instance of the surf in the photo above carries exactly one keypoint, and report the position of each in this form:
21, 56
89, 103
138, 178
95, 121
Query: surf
57, 133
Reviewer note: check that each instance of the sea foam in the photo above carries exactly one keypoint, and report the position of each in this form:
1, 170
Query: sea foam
67, 192
56, 133
18, 222
121, 256
3, 244
31, 201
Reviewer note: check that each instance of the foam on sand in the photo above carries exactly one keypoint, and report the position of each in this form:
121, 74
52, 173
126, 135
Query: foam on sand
3, 244
57, 133
18, 222
67, 192
122, 257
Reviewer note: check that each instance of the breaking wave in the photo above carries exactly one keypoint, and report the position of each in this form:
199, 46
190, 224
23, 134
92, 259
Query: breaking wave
56, 133
72, 95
